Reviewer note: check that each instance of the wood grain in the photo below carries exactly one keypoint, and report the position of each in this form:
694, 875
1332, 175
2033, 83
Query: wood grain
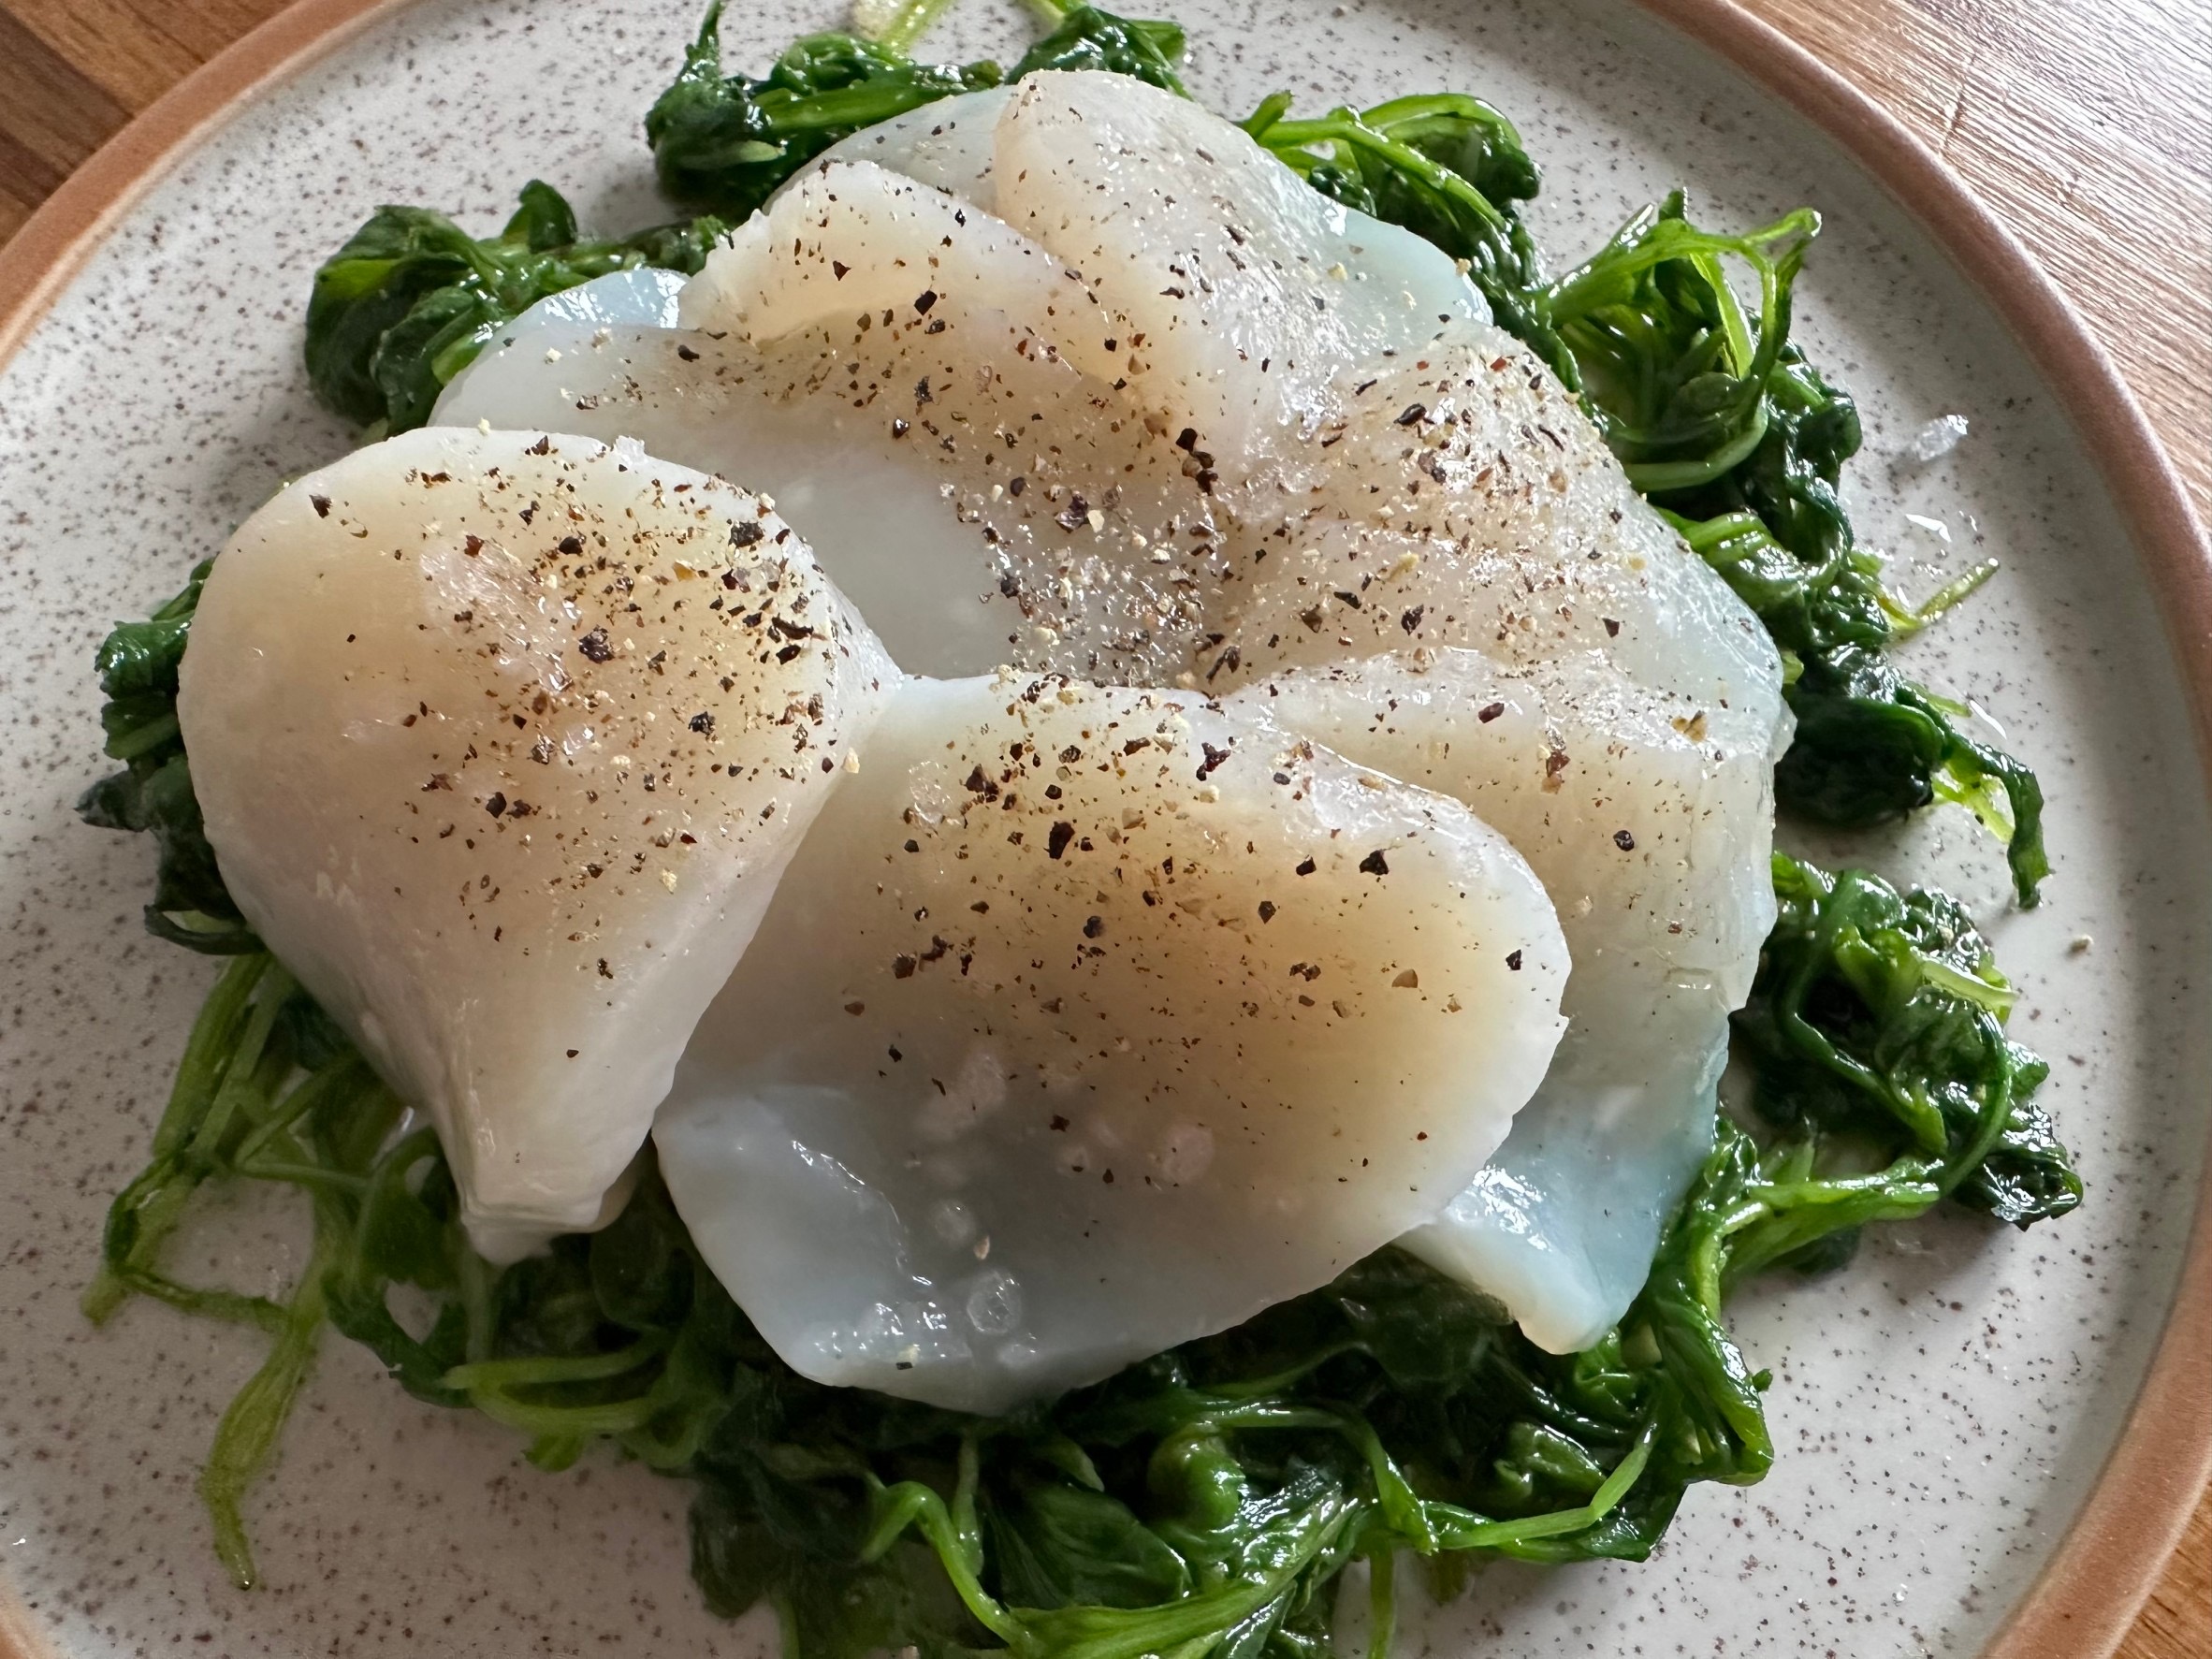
2086, 124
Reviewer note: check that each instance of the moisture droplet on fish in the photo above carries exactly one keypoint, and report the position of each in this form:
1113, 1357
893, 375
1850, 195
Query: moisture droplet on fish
995, 1304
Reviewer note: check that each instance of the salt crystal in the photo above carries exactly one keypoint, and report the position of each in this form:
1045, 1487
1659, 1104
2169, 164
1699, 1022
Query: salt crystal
1937, 439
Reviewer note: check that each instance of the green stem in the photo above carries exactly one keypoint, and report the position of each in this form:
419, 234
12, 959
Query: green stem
255, 1418
1907, 621
909, 25
544, 1370
1382, 1602
1478, 1534
229, 1305
1997, 1108
911, 1503
207, 1051
1343, 127
138, 740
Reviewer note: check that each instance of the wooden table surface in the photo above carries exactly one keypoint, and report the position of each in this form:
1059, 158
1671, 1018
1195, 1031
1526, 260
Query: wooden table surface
2087, 124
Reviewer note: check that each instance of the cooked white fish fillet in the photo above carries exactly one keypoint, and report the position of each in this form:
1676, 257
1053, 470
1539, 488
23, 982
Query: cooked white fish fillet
869, 363
1120, 212
1449, 494
502, 742
1111, 1018
1650, 823
849, 238
1474, 505
1235, 291
950, 145
1397, 470
1287, 472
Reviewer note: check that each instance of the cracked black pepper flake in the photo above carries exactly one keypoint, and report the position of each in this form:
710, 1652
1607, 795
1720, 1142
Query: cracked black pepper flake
495, 803
1513, 961
1612, 628
570, 546
1060, 1125
1093, 926
1489, 712
856, 1008
745, 532
1308, 867
899, 429
595, 645
703, 724
321, 504
1267, 909
687, 354
925, 299
903, 966
1412, 415
1056, 843
1375, 864
1412, 619
1624, 840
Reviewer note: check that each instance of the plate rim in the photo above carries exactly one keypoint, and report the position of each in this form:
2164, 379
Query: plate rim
2086, 1598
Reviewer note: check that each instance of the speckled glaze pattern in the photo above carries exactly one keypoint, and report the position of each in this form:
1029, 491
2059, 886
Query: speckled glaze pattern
1940, 1407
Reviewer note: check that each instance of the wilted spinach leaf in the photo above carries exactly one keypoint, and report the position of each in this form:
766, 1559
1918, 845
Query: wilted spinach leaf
411, 298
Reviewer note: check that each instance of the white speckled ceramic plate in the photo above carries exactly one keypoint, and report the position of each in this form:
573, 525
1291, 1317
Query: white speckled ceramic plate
1943, 1407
